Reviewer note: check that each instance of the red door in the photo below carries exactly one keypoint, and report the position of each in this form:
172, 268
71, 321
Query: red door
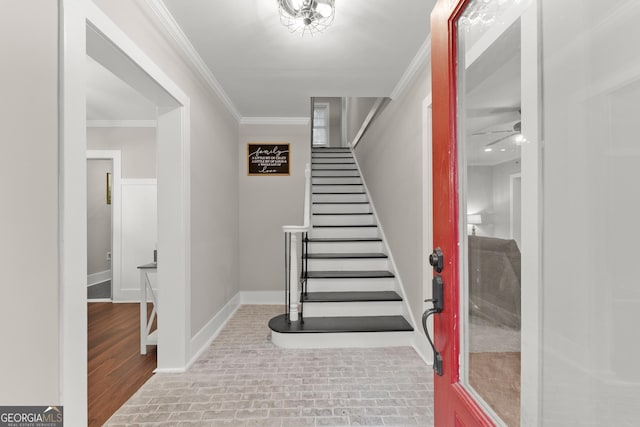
454, 405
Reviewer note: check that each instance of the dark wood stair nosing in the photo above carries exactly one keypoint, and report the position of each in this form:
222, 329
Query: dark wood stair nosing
342, 324
348, 256
351, 274
343, 213
351, 296
347, 226
344, 239
340, 203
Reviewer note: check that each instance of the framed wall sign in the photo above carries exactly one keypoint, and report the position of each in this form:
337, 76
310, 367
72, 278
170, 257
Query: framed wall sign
268, 159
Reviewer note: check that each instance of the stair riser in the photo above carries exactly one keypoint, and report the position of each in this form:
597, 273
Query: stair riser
349, 188
334, 166
345, 247
338, 198
329, 180
321, 173
316, 155
344, 232
342, 219
355, 285
342, 208
369, 308
343, 340
320, 160
357, 264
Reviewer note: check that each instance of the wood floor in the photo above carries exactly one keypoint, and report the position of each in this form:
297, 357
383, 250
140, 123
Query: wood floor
116, 368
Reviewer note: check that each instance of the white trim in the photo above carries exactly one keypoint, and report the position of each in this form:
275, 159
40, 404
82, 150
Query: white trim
261, 297
392, 263
531, 190
97, 278
92, 300
205, 336
116, 214
418, 60
176, 33
120, 293
512, 179
367, 121
72, 220
427, 218
291, 121
121, 123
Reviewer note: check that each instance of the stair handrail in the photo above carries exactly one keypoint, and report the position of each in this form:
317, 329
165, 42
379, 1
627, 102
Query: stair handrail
292, 288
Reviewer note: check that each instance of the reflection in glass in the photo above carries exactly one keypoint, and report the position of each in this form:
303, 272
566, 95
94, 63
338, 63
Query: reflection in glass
489, 132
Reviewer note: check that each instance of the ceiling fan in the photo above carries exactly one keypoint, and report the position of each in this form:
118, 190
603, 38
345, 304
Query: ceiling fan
516, 129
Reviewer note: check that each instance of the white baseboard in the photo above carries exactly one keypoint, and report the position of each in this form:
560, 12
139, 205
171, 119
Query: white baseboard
99, 277
262, 297
205, 336
129, 295
422, 347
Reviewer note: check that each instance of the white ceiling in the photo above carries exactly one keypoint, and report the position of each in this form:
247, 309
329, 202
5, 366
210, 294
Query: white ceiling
268, 72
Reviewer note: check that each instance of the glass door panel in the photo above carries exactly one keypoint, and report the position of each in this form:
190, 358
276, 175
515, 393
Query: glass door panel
490, 135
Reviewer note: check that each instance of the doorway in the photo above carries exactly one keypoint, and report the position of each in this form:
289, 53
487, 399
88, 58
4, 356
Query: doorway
99, 229
88, 30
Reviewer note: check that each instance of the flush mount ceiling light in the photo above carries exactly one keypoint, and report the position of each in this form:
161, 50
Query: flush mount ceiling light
306, 16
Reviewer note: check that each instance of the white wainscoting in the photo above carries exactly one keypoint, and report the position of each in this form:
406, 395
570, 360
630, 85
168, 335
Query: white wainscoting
139, 231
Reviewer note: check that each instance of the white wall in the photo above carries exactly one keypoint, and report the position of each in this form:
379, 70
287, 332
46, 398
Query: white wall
480, 197
489, 194
267, 203
214, 166
591, 293
98, 216
136, 145
502, 197
29, 289
390, 155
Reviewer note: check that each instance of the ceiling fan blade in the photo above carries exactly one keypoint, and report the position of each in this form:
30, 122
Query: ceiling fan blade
489, 132
500, 139
490, 111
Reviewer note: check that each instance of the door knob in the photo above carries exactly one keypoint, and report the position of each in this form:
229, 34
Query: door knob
436, 259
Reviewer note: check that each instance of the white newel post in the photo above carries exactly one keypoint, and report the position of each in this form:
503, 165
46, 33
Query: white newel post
293, 270
292, 262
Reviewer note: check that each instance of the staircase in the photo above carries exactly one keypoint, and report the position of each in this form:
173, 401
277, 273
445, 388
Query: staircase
352, 297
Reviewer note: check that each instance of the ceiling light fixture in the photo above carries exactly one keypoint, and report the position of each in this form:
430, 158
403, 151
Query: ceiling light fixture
306, 16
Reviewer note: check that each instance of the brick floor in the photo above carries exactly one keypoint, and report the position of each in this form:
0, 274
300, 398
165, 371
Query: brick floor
244, 380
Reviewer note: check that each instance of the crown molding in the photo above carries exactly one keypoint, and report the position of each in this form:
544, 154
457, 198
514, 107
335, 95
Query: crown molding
295, 121
421, 57
121, 123
176, 33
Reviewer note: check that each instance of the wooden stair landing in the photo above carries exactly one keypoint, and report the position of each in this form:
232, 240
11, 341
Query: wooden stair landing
321, 325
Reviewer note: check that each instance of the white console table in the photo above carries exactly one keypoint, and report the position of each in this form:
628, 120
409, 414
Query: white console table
146, 290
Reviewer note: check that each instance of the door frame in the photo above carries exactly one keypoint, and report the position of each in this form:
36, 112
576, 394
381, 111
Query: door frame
116, 205
81, 25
